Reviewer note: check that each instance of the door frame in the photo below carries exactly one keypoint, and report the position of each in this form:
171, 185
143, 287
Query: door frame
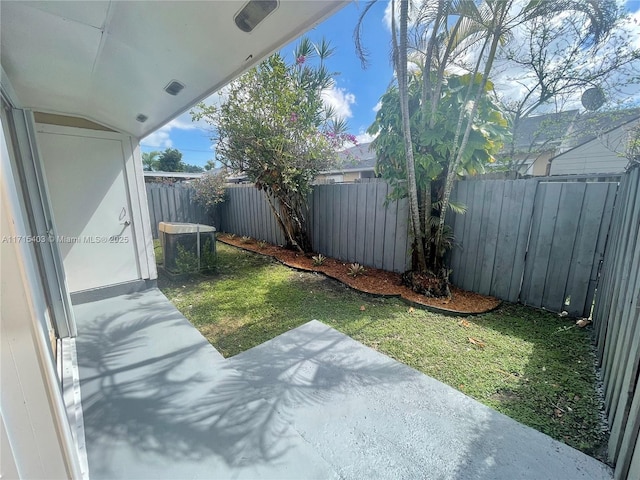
26, 163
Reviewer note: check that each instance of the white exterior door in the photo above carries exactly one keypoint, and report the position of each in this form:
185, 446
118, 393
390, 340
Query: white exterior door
87, 178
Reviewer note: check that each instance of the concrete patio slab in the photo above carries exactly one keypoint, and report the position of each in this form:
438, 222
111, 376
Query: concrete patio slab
160, 402
372, 417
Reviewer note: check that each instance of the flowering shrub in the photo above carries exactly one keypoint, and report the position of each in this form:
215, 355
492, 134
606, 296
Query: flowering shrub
274, 126
209, 189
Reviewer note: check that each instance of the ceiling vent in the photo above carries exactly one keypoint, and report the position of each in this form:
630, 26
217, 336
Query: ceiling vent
174, 88
141, 118
254, 12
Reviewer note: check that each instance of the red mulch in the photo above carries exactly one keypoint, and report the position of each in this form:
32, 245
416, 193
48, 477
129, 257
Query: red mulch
373, 281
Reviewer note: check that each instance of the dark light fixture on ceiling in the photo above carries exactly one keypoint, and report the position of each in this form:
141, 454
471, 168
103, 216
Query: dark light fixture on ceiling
254, 12
141, 118
174, 88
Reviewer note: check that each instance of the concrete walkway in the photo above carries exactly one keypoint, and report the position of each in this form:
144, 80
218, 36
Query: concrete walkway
160, 402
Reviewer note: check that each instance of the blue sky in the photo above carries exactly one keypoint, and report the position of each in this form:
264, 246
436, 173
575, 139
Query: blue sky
356, 91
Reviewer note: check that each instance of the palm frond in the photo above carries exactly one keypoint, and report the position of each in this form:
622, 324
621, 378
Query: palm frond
324, 49
361, 52
455, 207
305, 48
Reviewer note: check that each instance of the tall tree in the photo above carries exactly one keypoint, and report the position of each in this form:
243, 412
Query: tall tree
187, 167
453, 35
171, 161
400, 57
432, 148
552, 63
275, 127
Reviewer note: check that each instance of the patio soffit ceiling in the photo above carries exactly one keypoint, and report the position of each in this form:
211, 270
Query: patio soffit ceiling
110, 61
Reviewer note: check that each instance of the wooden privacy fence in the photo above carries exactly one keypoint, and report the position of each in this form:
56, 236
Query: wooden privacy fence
617, 323
349, 222
535, 241
246, 212
173, 203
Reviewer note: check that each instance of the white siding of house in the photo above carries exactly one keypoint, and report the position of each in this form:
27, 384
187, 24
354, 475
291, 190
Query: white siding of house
601, 155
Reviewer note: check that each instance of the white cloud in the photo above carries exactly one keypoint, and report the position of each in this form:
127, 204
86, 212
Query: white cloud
377, 106
413, 14
387, 16
511, 81
364, 137
159, 139
340, 99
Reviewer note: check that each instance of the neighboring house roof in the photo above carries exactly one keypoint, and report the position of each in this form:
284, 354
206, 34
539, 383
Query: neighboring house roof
542, 132
591, 125
355, 159
183, 175
566, 130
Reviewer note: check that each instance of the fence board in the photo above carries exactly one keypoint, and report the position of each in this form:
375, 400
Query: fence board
524, 233
582, 276
459, 195
342, 212
606, 289
563, 242
352, 216
337, 223
402, 261
472, 239
624, 299
617, 324
370, 223
379, 228
601, 245
322, 219
493, 212
627, 353
542, 230
630, 448
479, 273
505, 257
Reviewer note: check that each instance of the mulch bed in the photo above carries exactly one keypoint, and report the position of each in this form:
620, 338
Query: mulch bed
374, 281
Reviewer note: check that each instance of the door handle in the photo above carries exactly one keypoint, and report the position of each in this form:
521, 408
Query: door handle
123, 214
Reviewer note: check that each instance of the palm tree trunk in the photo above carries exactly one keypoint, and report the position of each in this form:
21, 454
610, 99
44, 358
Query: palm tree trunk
400, 56
451, 174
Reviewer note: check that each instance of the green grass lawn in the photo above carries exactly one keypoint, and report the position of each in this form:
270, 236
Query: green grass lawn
534, 367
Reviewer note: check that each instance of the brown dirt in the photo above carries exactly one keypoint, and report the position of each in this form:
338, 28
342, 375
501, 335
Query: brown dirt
373, 281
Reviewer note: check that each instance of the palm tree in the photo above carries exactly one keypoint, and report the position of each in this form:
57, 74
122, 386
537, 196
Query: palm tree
491, 23
150, 161
445, 31
400, 57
